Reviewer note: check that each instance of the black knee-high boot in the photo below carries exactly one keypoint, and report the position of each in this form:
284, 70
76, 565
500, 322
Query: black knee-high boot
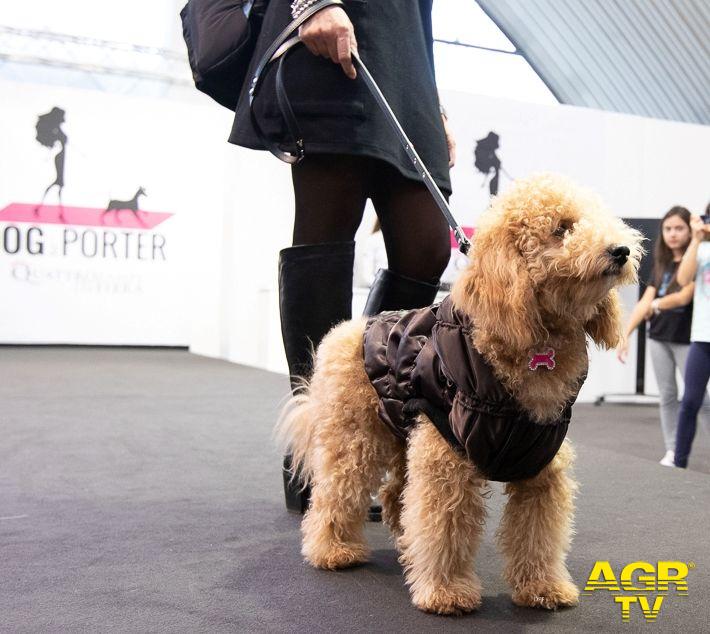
315, 293
392, 291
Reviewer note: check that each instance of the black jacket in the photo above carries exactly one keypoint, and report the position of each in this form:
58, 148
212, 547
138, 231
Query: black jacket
424, 361
338, 115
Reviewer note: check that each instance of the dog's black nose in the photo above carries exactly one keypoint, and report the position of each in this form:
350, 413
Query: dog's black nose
620, 254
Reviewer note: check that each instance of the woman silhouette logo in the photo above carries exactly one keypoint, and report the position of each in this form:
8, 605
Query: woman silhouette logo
49, 133
486, 161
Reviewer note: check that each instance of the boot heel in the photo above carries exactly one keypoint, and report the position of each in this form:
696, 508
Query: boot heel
297, 498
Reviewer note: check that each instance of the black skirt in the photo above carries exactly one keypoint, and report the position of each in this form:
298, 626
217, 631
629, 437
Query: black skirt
338, 115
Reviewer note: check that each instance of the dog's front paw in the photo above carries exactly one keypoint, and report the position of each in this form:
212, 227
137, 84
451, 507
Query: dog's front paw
549, 595
332, 556
456, 597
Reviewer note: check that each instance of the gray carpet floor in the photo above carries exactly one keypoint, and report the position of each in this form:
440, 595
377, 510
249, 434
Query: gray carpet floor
140, 492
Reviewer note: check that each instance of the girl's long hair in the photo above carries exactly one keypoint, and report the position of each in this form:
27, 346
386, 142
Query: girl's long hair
662, 254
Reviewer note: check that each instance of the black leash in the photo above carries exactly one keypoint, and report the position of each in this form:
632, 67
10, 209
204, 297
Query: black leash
285, 43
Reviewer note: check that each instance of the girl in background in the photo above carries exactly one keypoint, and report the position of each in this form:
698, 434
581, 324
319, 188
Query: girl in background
668, 304
695, 265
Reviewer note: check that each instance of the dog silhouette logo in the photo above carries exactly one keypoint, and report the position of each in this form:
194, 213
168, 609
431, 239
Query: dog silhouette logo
546, 359
125, 205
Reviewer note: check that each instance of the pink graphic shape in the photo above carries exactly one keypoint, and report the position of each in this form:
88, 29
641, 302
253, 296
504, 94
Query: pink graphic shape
546, 359
86, 216
468, 232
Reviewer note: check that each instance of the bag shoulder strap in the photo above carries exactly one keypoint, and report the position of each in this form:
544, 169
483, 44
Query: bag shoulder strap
283, 43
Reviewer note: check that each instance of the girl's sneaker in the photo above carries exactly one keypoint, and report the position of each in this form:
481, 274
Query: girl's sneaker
667, 460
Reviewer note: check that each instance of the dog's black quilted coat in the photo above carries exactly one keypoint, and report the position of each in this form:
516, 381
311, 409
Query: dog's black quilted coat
424, 361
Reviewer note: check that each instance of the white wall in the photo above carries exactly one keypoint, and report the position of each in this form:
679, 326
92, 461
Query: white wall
633, 163
232, 211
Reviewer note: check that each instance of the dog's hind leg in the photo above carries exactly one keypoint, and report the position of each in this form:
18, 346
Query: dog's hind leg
442, 519
351, 450
391, 492
535, 535
346, 472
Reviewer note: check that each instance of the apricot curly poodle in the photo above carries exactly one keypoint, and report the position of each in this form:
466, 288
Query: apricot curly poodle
545, 263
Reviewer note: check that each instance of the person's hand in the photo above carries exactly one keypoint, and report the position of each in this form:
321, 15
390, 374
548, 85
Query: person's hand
622, 350
450, 142
698, 228
330, 33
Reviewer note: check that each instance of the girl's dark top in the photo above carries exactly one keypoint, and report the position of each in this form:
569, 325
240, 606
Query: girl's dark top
338, 115
671, 325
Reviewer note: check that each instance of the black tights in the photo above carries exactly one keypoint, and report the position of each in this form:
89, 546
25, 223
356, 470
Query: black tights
331, 192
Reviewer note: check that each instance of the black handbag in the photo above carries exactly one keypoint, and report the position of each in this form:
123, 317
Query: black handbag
220, 41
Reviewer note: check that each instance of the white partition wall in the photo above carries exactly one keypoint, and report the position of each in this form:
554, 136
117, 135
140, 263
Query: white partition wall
196, 264
641, 167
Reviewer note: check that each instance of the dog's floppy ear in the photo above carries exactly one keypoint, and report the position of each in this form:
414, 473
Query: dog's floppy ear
496, 290
605, 327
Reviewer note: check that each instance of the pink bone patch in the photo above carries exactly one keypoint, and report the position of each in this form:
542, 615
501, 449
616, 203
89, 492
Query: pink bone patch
546, 358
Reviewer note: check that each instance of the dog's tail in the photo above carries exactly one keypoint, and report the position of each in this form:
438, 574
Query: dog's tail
295, 430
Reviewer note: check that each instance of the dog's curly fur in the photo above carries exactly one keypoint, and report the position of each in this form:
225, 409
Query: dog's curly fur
541, 275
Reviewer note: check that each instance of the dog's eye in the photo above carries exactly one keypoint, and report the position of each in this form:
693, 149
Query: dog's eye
564, 227
560, 231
